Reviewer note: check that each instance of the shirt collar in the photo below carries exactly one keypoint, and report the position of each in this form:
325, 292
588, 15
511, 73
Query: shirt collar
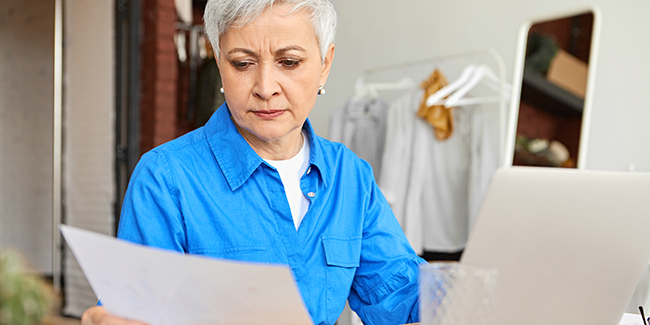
316, 156
235, 156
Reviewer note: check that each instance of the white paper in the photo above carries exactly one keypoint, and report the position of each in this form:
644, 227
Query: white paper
163, 287
631, 319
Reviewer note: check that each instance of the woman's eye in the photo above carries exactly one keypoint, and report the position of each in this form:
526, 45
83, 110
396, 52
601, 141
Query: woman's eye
240, 65
290, 63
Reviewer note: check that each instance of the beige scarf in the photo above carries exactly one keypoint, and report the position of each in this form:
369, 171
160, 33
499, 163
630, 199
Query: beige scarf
440, 117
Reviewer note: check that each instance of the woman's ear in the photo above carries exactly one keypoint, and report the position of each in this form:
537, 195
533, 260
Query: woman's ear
327, 64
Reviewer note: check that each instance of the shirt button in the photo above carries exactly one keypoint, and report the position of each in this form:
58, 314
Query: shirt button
311, 194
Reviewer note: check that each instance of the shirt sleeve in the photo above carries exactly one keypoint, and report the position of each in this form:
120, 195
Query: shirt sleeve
385, 287
150, 211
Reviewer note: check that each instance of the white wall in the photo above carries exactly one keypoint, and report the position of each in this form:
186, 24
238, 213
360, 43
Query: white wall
379, 32
88, 148
26, 117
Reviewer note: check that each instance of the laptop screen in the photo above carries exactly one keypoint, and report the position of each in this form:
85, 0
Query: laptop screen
569, 245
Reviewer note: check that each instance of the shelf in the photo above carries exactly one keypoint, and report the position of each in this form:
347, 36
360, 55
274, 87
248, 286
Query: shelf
541, 93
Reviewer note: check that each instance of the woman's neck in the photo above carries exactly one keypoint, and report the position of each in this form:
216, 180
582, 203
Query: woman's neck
283, 148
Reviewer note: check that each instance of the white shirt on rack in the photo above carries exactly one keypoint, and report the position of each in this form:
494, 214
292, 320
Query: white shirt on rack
291, 170
435, 187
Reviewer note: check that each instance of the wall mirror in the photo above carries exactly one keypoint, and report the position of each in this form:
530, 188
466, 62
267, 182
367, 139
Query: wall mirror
554, 72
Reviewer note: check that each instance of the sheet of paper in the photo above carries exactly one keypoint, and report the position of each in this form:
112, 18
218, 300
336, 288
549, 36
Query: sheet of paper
631, 319
164, 288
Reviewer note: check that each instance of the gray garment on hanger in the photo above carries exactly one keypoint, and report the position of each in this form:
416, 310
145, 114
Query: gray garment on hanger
360, 124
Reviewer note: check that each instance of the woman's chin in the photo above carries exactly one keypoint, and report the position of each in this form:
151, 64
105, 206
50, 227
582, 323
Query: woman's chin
268, 135
270, 131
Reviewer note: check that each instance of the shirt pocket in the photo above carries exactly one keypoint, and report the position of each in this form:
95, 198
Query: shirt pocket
342, 252
239, 253
342, 256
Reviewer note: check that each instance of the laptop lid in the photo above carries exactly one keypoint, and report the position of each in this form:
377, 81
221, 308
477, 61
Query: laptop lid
569, 245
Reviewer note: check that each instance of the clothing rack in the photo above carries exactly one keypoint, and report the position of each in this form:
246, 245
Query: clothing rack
197, 52
195, 32
489, 52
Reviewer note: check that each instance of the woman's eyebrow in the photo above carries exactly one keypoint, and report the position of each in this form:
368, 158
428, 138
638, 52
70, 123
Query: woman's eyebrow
290, 48
277, 52
243, 50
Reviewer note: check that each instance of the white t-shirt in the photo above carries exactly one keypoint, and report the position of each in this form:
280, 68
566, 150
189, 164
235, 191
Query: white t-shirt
291, 170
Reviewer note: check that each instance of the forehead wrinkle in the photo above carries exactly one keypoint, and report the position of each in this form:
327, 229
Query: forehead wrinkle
260, 41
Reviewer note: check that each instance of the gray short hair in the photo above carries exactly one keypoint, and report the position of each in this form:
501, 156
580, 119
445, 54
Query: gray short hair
220, 15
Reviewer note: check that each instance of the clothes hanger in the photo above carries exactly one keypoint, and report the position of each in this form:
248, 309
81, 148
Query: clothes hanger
476, 75
369, 90
482, 72
436, 97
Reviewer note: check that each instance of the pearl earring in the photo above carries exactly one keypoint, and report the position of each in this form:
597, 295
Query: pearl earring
221, 90
321, 90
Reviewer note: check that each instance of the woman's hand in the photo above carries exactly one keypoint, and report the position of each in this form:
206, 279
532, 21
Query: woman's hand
98, 316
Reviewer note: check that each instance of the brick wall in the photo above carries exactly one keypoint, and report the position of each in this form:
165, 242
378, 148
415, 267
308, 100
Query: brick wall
159, 74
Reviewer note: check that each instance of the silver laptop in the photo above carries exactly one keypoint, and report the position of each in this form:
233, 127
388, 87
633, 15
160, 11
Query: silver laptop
569, 245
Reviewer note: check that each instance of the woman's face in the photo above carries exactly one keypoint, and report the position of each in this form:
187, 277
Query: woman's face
271, 70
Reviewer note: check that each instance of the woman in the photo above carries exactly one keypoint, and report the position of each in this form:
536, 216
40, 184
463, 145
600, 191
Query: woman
257, 184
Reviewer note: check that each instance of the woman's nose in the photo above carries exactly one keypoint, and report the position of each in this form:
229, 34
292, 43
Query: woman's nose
266, 83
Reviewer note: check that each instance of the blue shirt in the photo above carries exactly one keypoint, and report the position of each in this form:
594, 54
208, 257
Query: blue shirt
209, 193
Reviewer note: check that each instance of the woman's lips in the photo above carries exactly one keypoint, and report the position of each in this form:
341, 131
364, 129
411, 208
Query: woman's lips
267, 115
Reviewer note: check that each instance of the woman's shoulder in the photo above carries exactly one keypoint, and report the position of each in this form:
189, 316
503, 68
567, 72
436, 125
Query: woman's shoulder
191, 146
336, 153
183, 144
334, 148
